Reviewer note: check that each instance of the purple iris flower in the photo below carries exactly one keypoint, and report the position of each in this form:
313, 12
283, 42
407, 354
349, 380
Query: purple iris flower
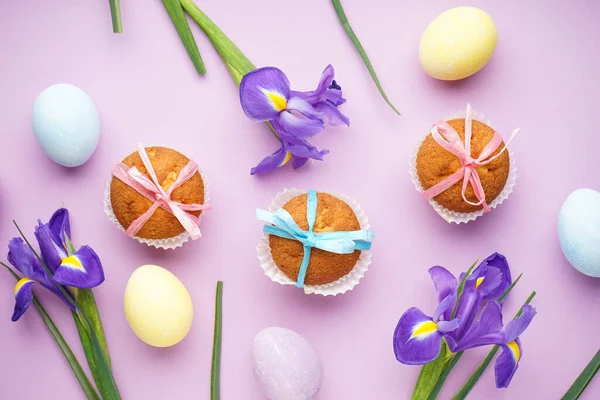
80, 269
418, 338
266, 96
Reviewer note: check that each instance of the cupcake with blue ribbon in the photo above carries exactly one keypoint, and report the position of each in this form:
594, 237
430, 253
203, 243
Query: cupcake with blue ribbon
317, 241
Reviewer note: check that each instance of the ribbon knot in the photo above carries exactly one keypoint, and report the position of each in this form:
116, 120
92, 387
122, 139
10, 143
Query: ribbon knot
281, 223
449, 139
151, 189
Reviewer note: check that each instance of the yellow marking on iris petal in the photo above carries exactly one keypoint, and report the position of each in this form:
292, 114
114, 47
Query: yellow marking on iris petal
20, 284
424, 329
288, 157
72, 262
514, 347
478, 282
278, 102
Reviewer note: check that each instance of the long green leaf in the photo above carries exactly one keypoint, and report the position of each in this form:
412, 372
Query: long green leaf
115, 13
583, 379
177, 15
104, 371
444, 375
237, 63
429, 375
464, 391
215, 372
337, 5
508, 289
80, 375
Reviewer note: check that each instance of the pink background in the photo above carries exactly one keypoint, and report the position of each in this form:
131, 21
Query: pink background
543, 77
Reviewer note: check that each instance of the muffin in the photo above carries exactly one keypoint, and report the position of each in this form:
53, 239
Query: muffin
434, 164
128, 200
327, 272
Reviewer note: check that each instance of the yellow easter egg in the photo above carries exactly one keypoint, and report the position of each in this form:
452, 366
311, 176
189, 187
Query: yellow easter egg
457, 43
158, 307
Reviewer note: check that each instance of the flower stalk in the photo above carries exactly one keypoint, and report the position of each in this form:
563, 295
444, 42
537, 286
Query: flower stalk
115, 13
215, 371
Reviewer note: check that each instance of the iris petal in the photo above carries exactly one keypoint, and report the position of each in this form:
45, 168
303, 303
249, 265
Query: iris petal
23, 297
498, 261
82, 269
52, 251
300, 126
316, 95
416, 338
298, 162
485, 331
518, 325
507, 363
263, 93
331, 114
60, 226
23, 259
445, 283
271, 162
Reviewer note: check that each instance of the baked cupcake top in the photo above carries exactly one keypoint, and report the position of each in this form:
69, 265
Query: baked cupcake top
129, 204
332, 215
434, 164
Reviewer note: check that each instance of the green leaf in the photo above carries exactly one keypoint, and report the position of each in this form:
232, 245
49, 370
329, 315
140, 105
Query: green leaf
82, 378
103, 367
115, 13
215, 371
583, 379
444, 375
177, 15
508, 289
430, 373
237, 63
361, 51
464, 391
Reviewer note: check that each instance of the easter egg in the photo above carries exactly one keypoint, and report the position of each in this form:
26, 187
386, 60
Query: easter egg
66, 125
579, 231
158, 307
285, 365
457, 43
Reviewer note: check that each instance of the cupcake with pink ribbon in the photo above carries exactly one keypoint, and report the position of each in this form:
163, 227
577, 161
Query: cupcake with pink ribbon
157, 196
464, 167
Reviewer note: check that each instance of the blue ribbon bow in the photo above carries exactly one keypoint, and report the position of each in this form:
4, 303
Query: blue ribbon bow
281, 223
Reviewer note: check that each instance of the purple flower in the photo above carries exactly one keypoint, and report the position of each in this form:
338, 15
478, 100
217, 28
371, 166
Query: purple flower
81, 269
418, 338
265, 96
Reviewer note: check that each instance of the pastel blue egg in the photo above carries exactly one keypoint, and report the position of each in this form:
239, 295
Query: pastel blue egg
579, 231
66, 124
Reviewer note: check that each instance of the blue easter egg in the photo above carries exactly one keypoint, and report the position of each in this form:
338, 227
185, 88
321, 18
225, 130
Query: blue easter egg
66, 124
579, 231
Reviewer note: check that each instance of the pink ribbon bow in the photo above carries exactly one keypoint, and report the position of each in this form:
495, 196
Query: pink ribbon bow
153, 191
448, 138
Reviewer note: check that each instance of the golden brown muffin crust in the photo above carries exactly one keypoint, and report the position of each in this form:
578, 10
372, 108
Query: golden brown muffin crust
333, 215
128, 204
434, 164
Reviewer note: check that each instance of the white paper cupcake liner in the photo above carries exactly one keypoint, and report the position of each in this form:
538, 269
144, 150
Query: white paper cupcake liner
453, 216
342, 285
168, 243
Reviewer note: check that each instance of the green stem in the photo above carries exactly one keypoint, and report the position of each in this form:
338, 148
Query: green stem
464, 391
430, 374
215, 376
177, 15
115, 13
80, 375
444, 375
236, 62
583, 379
105, 374
361, 50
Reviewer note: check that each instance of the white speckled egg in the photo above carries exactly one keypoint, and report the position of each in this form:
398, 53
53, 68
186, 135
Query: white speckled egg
457, 43
285, 365
158, 307
66, 124
579, 231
